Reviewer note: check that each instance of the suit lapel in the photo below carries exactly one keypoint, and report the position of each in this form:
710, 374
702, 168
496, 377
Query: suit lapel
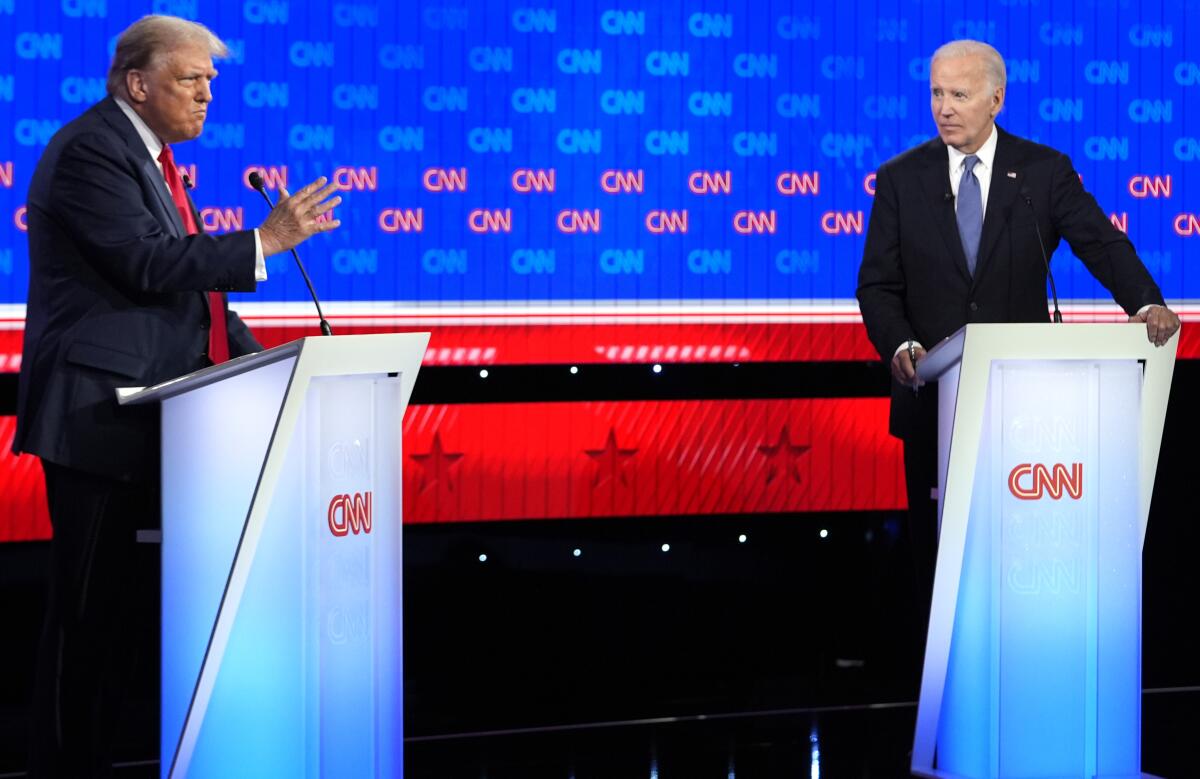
147, 167
935, 180
1002, 193
154, 176
195, 212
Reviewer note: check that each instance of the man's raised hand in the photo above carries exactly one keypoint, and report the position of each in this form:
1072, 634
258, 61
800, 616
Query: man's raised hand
296, 217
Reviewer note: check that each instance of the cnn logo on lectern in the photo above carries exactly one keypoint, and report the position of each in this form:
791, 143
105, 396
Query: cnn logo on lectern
350, 514
1030, 482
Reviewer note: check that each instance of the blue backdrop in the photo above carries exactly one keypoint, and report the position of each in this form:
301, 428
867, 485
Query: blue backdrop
426, 111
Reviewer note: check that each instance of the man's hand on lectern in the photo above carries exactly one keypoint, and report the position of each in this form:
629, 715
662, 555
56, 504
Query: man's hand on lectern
903, 369
1161, 323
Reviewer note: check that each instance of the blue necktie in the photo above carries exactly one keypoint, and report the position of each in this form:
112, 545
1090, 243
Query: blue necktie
970, 212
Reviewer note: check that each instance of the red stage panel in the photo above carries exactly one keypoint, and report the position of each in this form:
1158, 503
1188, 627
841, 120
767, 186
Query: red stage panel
517, 461
647, 458
572, 460
23, 515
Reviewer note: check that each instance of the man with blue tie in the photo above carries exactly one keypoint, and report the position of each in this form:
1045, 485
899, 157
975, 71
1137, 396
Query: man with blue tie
956, 235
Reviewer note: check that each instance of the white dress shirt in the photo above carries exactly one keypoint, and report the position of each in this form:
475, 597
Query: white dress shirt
155, 146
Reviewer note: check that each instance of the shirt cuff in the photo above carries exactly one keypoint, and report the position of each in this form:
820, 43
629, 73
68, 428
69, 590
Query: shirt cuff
1141, 311
260, 262
904, 346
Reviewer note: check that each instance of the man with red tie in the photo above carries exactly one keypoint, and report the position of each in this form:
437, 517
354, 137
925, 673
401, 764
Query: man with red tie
125, 289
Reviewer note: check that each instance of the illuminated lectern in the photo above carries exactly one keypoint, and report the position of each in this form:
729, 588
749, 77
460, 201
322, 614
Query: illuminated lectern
281, 559
1048, 442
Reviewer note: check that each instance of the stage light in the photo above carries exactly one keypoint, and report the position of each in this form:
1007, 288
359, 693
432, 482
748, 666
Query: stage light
576, 552
824, 533
574, 369
483, 373
666, 547
483, 558
814, 768
742, 538
657, 368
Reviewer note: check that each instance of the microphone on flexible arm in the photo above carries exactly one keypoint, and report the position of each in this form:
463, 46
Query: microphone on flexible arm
1045, 260
255, 180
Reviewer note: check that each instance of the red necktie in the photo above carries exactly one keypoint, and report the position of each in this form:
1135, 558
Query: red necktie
218, 337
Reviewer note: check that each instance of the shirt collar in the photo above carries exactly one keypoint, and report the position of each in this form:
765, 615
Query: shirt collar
153, 144
986, 153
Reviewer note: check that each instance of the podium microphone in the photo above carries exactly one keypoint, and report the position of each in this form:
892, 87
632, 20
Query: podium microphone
1045, 260
255, 180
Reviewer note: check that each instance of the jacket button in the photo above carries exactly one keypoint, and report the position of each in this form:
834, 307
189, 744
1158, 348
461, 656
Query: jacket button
974, 306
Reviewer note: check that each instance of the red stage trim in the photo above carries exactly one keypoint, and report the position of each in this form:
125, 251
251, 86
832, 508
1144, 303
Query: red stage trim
575, 342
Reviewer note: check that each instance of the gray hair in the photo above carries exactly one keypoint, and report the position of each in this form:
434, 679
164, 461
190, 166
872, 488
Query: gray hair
145, 41
993, 63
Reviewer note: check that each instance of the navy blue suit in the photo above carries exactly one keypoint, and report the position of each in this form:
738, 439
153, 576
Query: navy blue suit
116, 297
914, 282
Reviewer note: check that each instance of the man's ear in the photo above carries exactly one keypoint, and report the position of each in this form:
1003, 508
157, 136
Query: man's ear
135, 86
997, 100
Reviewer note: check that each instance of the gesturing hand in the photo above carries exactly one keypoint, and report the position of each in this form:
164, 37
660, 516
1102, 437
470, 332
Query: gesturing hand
295, 217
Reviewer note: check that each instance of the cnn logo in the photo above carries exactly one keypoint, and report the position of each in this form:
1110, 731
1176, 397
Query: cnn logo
350, 514
1030, 482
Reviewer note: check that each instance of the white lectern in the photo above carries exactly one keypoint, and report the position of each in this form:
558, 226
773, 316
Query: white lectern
1048, 442
281, 560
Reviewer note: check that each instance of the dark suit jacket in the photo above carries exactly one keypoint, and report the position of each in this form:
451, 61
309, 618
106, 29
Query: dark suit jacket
914, 283
116, 297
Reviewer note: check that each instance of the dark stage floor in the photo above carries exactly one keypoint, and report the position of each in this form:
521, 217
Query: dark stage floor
852, 741
792, 653
865, 741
